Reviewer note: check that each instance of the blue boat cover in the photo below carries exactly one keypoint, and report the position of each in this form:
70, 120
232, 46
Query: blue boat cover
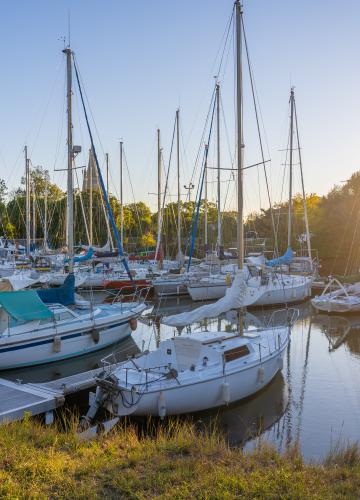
82, 258
284, 259
64, 294
24, 305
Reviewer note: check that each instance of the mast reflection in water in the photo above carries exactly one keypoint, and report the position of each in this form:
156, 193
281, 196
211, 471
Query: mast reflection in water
314, 401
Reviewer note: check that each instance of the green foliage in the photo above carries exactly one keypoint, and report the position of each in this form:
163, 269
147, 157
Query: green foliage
333, 220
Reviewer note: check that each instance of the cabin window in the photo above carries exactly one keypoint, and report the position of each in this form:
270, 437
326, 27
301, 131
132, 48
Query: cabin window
236, 353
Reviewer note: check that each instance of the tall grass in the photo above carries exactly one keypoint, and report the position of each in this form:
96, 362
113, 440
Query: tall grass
171, 460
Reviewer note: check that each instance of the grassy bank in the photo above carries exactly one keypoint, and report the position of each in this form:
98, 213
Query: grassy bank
176, 462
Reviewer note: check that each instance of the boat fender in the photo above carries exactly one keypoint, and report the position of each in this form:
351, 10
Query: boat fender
161, 405
95, 335
228, 279
260, 375
57, 343
133, 324
225, 392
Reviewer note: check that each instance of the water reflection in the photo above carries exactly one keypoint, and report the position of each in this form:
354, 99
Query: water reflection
65, 368
313, 402
341, 330
250, 418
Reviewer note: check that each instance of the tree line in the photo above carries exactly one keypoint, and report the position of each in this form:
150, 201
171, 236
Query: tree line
333, 221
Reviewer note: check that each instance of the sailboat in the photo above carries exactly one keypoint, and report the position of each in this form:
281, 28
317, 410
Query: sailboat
203, 370
338, 298
43, 326
273, 285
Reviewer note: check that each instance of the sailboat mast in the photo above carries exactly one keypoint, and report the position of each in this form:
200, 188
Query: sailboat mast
206, 202
308, 237
240, 146
291, 164
27, 189
91, 195
70, 194
121, 196
178, 184
218, 167
34, 211
159, 180
46, 208
107, 174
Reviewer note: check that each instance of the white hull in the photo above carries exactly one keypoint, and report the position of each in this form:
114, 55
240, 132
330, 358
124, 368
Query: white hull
192, 373
70, 348
207, 394
272, 294
167, 288
64, 341
344, 299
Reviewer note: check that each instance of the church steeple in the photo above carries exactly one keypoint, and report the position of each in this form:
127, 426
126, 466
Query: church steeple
90, 175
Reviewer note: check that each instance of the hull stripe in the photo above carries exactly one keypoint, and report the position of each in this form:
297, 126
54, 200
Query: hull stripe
51, 340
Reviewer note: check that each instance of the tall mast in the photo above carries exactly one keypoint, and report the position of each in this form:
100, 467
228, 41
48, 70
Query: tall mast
178, 184
159, 182
218, 167
91, 159
46, 208
107, 174
121, 196
308, 237
107, 194
70, 194
206, 203
291, 164
240, 145
159, 158
27, 188
34, 211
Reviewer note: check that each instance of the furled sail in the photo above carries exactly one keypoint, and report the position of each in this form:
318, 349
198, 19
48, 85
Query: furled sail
236, 296
64, 294
82, 258
284, 259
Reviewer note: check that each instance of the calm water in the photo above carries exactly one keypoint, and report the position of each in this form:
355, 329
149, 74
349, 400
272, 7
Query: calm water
315, 399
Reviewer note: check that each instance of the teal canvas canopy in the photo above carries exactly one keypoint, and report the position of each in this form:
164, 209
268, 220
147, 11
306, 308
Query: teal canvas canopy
24, 305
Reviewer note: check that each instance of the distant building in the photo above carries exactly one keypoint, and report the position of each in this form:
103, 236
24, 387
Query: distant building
90, 175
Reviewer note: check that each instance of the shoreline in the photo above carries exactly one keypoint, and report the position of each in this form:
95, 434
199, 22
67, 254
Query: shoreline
173, 460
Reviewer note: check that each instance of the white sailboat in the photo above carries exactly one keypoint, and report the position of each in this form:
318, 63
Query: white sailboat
38, 327
203, 370
32, 333
272, 283
338, 298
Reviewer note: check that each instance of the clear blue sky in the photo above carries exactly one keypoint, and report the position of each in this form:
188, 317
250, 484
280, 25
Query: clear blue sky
141, 60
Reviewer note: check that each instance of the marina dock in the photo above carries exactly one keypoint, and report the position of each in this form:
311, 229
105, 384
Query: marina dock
17, 399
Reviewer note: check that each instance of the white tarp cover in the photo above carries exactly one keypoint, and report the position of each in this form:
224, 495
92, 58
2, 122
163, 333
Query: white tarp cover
235, 298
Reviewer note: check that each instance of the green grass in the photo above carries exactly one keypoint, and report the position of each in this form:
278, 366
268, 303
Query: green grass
176, 461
